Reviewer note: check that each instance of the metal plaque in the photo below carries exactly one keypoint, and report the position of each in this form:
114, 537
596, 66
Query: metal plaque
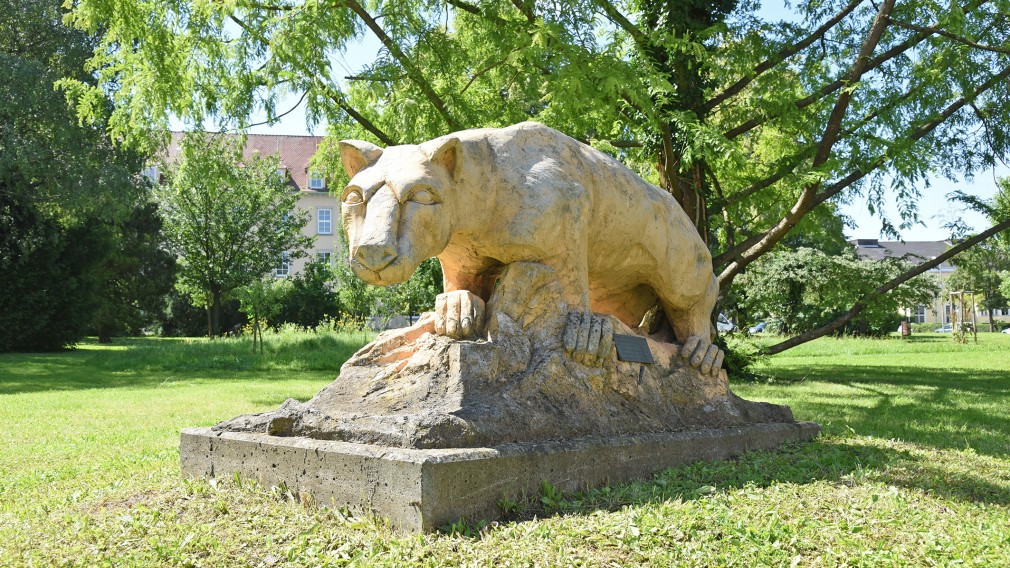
633, 348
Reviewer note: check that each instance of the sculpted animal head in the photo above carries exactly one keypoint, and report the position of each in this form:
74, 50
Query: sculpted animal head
397, 208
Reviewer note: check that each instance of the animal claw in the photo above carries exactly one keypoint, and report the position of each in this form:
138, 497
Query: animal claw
459, 314
589, 338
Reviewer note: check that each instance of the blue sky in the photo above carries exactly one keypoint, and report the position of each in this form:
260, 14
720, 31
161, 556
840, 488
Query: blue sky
934, 209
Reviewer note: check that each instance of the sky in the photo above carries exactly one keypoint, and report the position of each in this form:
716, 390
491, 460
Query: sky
934, 209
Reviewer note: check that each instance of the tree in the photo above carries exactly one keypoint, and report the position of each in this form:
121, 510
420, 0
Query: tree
229, 222
979, 270
139, 274
753, 126
805, 289
62, 183
261, 301
51, 277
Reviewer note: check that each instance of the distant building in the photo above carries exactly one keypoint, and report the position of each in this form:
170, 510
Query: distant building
915, 252
313, 194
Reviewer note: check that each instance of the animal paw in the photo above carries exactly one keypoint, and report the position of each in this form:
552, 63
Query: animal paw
589, 338
459, 314
703, 355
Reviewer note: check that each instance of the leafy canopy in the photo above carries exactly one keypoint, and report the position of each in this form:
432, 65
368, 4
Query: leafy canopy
751, 124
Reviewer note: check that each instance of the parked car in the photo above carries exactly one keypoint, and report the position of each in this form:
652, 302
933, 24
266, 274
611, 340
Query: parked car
723, 325
1006, 330
947, 328
761, 327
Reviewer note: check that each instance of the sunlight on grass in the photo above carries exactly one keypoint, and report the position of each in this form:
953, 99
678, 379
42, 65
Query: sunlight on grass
914, 468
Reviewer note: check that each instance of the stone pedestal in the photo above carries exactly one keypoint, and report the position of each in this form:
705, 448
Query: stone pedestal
421, 490
425, 429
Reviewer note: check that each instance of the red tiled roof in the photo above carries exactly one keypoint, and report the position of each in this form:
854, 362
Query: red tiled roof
294, 152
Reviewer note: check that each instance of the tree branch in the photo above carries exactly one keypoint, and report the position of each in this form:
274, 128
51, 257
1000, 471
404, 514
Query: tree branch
918, 134
864, 301
831, 131
832, 87
415, 75
465, 6
949, 35
279, 116
338, 98
862, 171
625, 24
779, 57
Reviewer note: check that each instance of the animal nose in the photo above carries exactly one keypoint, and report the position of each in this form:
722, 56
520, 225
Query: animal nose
375, 257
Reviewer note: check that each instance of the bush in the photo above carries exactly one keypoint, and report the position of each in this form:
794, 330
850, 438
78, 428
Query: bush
183, 319
310, 299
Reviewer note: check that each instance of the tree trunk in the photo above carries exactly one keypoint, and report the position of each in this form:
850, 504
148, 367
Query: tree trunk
105, 333
215, 313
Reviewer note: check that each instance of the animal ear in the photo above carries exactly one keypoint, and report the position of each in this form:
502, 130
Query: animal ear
356, 155
450, 155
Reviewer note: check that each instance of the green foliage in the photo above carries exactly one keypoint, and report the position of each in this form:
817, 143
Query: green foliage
182, 319
261, 301
139, 275
735, 110
227, 220
758, 128
51, 277
804, 289
310, 299
63, 187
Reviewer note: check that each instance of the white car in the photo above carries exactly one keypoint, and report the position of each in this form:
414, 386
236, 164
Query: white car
723, 325
1006, 330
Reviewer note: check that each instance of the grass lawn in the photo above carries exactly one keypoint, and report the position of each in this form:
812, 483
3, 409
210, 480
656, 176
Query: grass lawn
913, 469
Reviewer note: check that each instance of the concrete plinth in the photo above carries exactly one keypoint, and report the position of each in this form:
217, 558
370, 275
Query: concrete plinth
420, 490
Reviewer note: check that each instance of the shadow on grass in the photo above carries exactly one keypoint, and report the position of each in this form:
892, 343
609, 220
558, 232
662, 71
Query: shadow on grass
820, 460
939, 408
147, 362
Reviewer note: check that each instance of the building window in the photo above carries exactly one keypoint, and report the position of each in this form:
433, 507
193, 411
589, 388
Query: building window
919, 314
324, 221
283, 270
282, 174
324, 257
152, 173
316, 180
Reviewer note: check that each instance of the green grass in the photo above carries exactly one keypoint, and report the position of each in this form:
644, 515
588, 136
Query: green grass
913, 469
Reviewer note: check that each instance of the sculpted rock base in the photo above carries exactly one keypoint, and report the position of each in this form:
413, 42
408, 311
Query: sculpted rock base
414, 389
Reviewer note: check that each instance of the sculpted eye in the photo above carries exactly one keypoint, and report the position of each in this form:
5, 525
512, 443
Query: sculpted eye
353, 197
424, 197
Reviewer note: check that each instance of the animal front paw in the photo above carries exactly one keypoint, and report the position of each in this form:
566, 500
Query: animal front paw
703, 355
459, 314
589, 338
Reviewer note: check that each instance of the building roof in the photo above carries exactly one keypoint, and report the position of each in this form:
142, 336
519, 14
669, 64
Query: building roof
294, 152
913, 251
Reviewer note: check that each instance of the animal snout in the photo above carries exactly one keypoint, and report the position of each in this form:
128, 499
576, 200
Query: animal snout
375, 257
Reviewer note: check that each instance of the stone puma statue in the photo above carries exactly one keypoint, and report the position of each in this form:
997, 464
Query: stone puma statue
482, 199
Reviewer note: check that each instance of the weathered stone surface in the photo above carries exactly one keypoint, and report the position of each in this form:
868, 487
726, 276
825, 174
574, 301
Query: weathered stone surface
482, 200
420, 490
413, 388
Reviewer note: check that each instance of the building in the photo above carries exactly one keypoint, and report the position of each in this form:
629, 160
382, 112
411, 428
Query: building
314, 196
915, 252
